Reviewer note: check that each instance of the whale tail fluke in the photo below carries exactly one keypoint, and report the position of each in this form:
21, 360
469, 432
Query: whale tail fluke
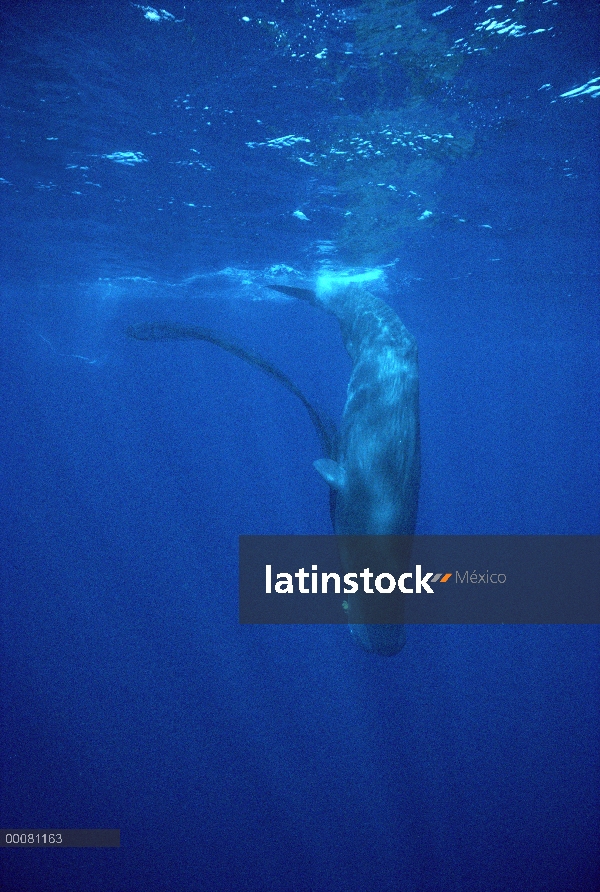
169, 331
174, 331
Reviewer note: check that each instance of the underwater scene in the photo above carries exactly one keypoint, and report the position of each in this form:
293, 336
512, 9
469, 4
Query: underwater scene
293, 268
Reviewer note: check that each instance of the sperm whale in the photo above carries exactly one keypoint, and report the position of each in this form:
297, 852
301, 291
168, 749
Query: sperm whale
373, 465
375, 473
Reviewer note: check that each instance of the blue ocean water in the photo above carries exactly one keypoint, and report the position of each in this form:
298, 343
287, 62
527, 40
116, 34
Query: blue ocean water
161, 164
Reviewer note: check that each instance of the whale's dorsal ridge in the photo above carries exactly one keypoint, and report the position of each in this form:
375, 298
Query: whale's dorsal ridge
331, 472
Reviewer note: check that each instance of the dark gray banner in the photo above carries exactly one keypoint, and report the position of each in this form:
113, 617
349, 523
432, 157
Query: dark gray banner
420, 579
60, 839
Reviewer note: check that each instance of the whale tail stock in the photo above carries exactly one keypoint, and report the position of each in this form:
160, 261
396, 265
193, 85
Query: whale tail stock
300, 293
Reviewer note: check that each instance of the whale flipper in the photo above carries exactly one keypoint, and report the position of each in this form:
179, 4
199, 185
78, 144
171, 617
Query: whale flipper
331, 472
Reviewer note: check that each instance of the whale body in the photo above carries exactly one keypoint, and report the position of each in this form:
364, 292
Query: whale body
375, 473
373, 465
